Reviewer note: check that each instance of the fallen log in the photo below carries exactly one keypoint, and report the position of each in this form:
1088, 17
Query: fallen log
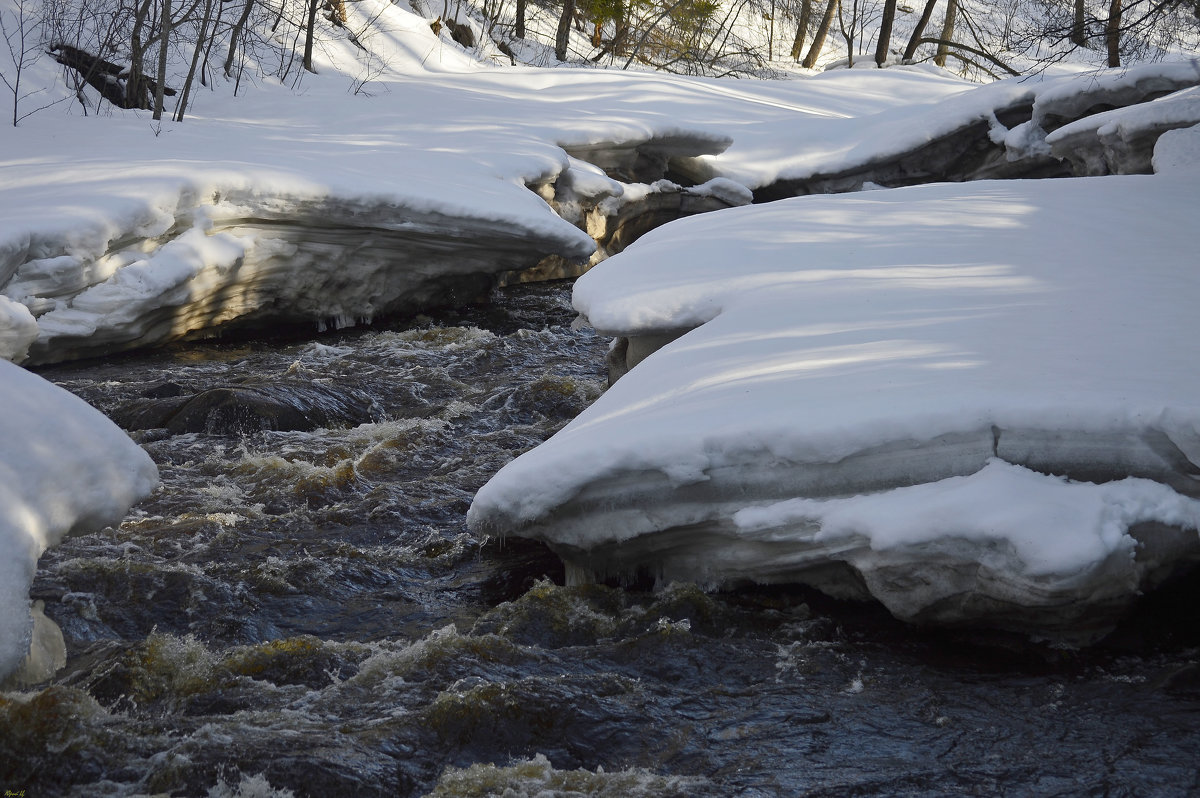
111, 80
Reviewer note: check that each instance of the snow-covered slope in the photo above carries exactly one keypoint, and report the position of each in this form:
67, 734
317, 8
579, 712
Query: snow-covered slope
117, 233
336, 205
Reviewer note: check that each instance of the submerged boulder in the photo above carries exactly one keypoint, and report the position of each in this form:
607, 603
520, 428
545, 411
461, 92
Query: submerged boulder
246, 408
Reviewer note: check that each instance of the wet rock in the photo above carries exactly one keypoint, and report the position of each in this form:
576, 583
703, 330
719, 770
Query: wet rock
967, 153
242, 409
574, 719
52, 738
648, 160
516, 565
549, 396
305, 660
616, 214
538, 776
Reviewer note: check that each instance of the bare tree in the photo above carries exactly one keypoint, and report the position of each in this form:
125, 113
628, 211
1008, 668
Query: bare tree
135, 86
236, 34
848, 33
310, 34
1079, 24
200, 39
914, 40
947, 33
22, 54
884, 42
801, 29
1112, 33
1119, 29
164, 37
519, 30
814, 52
562, 37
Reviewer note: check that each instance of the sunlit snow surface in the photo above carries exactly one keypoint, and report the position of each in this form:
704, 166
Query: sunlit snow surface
343, 202
953, 338
328, 205
307, 196
64, 468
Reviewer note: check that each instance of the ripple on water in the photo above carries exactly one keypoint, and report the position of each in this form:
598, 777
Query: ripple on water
536, 777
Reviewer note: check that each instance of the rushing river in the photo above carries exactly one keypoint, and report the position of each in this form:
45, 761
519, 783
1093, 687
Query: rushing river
304, 612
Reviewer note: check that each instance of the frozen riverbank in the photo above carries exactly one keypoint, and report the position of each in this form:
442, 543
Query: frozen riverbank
862, 378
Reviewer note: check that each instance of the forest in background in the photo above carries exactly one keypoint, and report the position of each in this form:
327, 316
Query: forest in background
138, 53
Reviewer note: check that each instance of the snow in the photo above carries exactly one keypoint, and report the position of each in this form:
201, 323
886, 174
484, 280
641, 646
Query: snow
833, 144
1051, 524
1178, 151
443, 145
1122, 141
64, 469
1177, 109
18, 329
415, 139
851, 347
844, 357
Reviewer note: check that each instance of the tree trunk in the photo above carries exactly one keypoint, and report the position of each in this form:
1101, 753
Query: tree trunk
519, 31
814, 52
216, 25
135, 86
771, 34
848, 33
235, 35
914, 41
802, 29
947, 32
885, 33
1079, 25
563, 37
187, 84
309, 32
164, 32
1112, 33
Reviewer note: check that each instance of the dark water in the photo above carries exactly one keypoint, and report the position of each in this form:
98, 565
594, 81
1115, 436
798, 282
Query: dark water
303, 612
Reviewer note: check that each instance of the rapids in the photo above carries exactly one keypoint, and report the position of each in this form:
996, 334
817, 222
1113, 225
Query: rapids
300, 610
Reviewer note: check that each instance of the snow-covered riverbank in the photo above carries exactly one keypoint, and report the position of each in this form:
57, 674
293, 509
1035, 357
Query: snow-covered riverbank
972, 402
346, 200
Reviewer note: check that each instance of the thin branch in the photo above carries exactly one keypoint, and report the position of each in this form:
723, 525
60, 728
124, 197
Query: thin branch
947, 43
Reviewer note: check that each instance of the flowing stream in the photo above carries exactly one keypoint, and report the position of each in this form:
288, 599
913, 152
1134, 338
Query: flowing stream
302, 611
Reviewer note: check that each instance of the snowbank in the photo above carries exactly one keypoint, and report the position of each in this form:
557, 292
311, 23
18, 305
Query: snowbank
64, 469
1178, 151
856, 345
1122, 141
397, 177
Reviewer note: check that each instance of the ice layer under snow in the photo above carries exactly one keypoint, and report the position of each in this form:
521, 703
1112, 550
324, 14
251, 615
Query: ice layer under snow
1012, 358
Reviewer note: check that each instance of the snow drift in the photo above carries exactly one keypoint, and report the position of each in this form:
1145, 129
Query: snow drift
64, 469
972, 402
414, 190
